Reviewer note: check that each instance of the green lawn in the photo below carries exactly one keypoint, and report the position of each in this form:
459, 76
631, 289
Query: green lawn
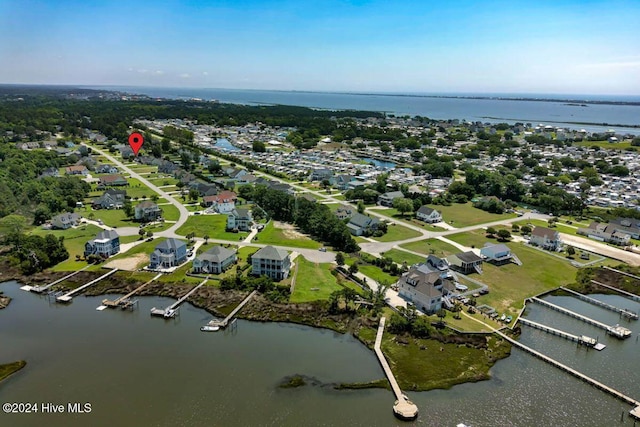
376, 273
604, 144
281, 237
74, 241
408, 218
313, 282
110, 217
397, 232
170, 212
562, 228
138, 189
462, 215
399, 257
431, 246
212, 225
162, 181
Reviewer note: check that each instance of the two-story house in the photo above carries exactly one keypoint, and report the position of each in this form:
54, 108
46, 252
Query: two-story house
223, 203
214, 261
546, 238
465, 262
106, 244
169, 253
271, 262
147, 211
65, 220
499, 254
362, 225
424, 288
387, 199
239, 219
112, 180
429, 215
110, 199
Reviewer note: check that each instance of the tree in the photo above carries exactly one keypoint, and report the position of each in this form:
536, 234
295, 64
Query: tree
141, 232
325, 183
361, 207
149, 234
259, 147
491, 231
525, 229
191, 236
127, 207
571, 251
353, 268
403, 205
340, 259
503, 235
194, 194
515, 228
154, 198
206, 239
12, 224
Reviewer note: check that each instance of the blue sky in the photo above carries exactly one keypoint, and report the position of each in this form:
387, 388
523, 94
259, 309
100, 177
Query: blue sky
562, 46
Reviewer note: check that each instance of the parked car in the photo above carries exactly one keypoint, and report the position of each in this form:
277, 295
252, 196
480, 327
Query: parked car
323, 249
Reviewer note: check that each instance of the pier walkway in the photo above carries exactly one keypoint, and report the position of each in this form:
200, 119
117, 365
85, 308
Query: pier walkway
621, 311
124, 301
69, 295
629, 295
224, 322
40, 289
584, 340
403, 407
617, 331
173, 308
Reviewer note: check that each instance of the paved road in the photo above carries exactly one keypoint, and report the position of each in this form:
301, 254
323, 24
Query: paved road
184, 213
600, 248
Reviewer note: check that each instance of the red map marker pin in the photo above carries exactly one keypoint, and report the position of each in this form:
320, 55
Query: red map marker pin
135, 142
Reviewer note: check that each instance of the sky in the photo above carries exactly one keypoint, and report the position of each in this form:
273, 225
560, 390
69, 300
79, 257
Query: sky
558, 46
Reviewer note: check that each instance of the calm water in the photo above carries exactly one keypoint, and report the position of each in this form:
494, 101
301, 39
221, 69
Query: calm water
486, 110
136, 370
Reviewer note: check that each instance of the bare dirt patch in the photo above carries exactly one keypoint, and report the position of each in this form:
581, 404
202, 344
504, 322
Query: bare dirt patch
288, 230
131, 263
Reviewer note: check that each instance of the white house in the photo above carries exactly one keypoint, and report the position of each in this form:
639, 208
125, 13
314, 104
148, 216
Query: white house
428, 214
215, 260
546, 238
271, 262
239, 219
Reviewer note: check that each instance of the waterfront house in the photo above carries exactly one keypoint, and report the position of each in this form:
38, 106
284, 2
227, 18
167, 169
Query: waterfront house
362, 225
214, 261
112, 181
239, 219
465, 262
428, 215
424, 288
147, 211
545, 238
499, 254
76, 170
65, 220
272, 262
387, 199
106, 244
110, 199
169, 253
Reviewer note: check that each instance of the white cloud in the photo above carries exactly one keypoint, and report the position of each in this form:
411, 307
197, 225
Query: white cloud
185, 75
205, 73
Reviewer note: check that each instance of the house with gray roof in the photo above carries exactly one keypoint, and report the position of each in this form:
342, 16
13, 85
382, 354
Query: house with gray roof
428, 215
106, 244
271, 262
387, 199
499, 254
629, 226
110, 199
65, 220
239, 219
465, 262
362, 225
147, 211
214, 261
426, 289
169, 253
546, 238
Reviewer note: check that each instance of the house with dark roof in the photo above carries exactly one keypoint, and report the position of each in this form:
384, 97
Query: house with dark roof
428, 215
106, 244
110, 199
320, 174
239, 219
609, 233
112, 181
50, 172
341, 182
106, 168
499, 254
387, 199
214, 261
360, 225
344, 212
170, 253
271, 262
425, 289
546, 238
65, 220
465, 262
147, 211
629, 226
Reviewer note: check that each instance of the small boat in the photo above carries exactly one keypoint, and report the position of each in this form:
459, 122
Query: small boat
208, 328
503, 317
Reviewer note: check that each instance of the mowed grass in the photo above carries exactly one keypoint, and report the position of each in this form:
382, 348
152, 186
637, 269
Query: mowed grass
397, 232
562, 228
281, 237
408, 217
170, 212
431, 246
110, 217
212, 225
314, 281
138, 189
604, 144
464, 214
74, 241
399, 256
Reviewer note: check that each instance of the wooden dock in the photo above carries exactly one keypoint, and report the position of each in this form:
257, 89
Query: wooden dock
582, 340
622, 272
621, 311
172, 310
41, 289
615, 393
616, 331
69, 295
224, 322
124, 301
629, 295
403, 408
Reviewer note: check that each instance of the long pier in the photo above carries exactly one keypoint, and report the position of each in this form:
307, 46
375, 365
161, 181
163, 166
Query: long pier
69, 295
173, 308
40, 289
584, 340
124, 301
224, 322
629, 295
615, 393
622, 311
617, 331
622, 272
403, 407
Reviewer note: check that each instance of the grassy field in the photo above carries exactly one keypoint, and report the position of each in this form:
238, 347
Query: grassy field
160, 182
170, 212
399, 257
212, 225
110, 217
604, 144
562, 228
74, 241
313, 282
138, 189
377, 274
462, 215
281, 237
397, 232
431, 246
408, 218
